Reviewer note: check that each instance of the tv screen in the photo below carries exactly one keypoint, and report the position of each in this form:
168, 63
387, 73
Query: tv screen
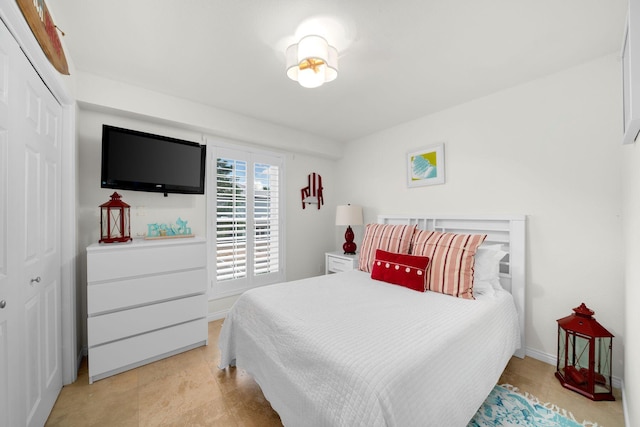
140, 161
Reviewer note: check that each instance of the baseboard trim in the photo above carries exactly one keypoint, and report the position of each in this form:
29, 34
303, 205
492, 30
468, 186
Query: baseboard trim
625, 406
551, 359
543, 357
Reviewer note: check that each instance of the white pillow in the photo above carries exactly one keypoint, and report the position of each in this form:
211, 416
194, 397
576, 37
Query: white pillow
483, 287
487, 265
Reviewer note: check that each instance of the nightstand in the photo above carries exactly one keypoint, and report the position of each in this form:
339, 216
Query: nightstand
336, 262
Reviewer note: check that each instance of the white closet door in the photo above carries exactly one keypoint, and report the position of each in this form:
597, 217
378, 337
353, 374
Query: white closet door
9, 309
30, 121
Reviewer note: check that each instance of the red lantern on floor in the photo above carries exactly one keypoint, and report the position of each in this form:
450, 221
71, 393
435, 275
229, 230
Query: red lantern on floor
584, 355
114, 221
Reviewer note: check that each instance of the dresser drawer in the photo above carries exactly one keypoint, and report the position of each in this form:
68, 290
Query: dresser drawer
138, 260
110, 296
119, 356
136, 321
338, 264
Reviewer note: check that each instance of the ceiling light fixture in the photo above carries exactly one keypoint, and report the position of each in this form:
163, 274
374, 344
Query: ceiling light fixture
312, 62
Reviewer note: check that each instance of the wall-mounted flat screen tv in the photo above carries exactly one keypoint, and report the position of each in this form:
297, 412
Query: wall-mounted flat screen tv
140, 161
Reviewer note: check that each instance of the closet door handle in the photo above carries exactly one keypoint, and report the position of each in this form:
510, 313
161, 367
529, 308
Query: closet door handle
3, 304
36, 280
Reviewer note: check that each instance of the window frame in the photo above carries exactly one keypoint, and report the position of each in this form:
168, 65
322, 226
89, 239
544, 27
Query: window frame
218, 149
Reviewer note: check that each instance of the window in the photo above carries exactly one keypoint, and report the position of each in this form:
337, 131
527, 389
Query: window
246, 219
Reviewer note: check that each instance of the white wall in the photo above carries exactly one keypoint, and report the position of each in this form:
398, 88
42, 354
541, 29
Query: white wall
631, 215
116, 97
549, 149
145, 207
120, 105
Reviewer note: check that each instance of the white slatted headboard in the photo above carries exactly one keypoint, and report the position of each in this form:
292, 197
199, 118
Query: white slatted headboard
507, 230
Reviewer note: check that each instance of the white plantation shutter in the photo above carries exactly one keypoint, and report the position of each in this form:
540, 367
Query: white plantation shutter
247, 220
266, 218
231, 219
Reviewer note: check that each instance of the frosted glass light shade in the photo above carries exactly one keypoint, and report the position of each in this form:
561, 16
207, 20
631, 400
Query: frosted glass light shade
311, 78
312, 62
331, 72
312, 47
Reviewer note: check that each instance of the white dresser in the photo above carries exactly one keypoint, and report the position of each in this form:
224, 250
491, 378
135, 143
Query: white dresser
146, 300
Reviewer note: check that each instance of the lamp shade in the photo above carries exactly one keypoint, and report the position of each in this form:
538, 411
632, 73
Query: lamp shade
349, 215
312, 61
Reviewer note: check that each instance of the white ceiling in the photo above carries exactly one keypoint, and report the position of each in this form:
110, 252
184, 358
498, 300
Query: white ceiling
399, 60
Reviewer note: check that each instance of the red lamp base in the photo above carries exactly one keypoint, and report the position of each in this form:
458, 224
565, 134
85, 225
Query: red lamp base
349, 247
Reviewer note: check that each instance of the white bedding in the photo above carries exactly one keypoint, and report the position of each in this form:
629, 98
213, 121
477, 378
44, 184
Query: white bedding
345, 350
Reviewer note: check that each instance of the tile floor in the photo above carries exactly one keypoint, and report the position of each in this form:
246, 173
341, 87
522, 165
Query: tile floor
189, 390
537, 378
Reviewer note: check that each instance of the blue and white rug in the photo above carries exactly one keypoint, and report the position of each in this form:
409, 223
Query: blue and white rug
505, 407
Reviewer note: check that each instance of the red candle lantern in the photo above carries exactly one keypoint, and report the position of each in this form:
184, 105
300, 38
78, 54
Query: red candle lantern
114, 221
584, 355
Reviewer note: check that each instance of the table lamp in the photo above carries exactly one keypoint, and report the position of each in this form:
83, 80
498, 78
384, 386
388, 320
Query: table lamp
349, 215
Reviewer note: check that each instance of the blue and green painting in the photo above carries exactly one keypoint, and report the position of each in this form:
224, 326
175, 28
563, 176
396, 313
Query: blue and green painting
424, 166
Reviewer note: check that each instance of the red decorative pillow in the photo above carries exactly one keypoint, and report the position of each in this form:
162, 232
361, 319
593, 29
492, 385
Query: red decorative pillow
399, 269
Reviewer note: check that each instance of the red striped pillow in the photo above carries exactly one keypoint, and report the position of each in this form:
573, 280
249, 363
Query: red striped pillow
452, 256
388, 237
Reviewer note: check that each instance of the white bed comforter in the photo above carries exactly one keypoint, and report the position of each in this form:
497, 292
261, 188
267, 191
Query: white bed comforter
345, 350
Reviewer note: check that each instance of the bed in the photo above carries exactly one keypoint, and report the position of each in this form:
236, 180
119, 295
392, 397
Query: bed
347, 350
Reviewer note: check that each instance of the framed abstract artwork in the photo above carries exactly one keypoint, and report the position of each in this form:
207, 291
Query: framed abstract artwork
426, 166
